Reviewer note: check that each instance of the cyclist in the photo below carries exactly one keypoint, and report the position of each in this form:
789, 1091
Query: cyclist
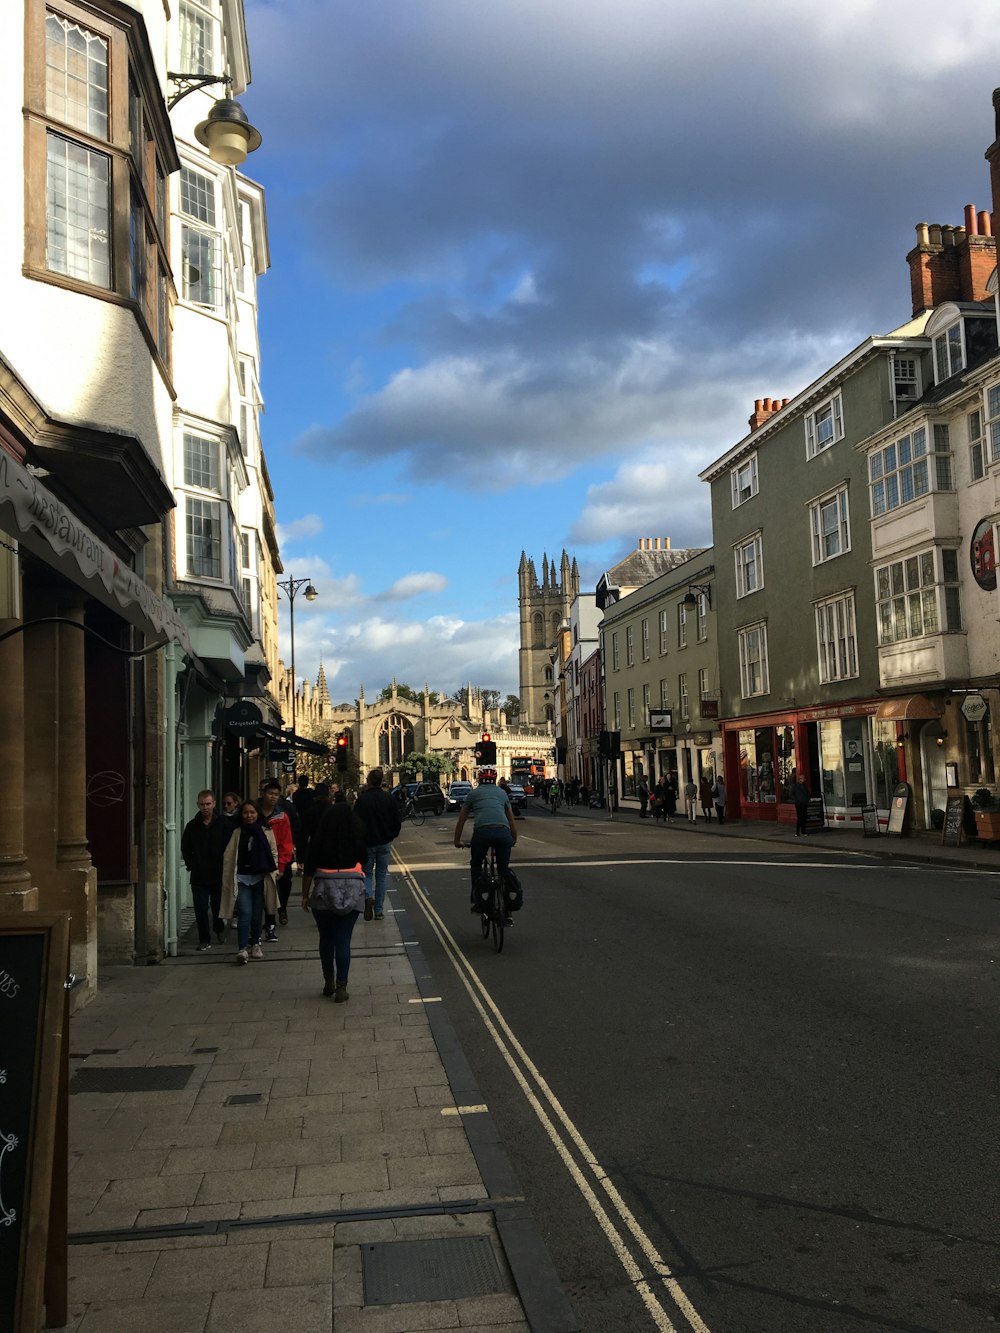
555, 796
494, 826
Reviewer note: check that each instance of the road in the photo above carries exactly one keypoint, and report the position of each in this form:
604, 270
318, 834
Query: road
748, 1088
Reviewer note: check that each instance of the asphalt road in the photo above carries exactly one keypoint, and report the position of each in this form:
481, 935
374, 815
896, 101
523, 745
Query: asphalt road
747, 1088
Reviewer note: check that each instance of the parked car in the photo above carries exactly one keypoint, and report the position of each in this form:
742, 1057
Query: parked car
457, 793
428, 796
517, 797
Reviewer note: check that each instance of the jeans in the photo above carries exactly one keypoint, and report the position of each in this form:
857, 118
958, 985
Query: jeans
284, 887
249, 912
497, 836
206, 897
335, 943
377, 871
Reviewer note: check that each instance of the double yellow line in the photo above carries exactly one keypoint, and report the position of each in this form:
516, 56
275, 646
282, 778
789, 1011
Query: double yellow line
616, 1220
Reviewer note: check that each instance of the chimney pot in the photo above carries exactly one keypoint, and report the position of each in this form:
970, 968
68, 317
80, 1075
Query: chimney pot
948, 234
758, 404
767, 405
934, 231
971, 220
960, 235
985, 229
922, 234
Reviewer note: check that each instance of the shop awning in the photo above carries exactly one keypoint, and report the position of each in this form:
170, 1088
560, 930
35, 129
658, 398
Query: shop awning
46, 527
907, 708
291, 738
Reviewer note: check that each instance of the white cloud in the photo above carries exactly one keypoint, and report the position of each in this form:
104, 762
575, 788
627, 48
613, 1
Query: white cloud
414, 585
309, 525
648, 496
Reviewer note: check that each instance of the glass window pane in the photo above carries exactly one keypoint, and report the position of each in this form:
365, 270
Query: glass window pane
915, 624
930, 609
882, 580
198, 196
921, 482
920, 442
896, 576
201, 462
76, 76
926, 570
949, 566
78, 212
912, 568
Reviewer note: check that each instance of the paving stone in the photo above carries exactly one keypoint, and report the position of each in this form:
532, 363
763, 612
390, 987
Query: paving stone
96, 1272
311, 1204
283, 1108
397, 1318
409, 1078
443, 1170
237, 1186
446, 1139
416, 1117
299, 1263
179, 1136
184, 1314
299, 1152
117, 1165
154, 1191
231, 1269
261, 1130
344, 1176
401, 1143
421, 1060
312, 1230
161, 1217
230, 1157
349, 1235
301, 1309
391, 1099
290, 1087
326, 1125
493, 1311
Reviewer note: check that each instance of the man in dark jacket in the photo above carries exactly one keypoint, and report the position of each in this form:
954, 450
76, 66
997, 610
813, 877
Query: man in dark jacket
800, 799
382, 818
203, 843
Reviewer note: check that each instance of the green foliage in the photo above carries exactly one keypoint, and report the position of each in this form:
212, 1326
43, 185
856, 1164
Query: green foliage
512, 707
984, 799
432, 766
407, 692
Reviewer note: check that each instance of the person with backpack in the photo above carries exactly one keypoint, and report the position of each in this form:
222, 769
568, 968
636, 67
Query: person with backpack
333, 889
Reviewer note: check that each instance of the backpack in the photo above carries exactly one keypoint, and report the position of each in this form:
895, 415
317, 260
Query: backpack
513, 894
339, 891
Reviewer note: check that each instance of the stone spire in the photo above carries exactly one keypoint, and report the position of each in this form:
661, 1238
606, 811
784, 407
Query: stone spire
322, 690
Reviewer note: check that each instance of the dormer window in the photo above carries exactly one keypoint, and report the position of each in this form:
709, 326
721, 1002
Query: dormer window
905, 379
949, 352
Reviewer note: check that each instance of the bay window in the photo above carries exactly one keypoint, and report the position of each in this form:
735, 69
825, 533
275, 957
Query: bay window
918, 596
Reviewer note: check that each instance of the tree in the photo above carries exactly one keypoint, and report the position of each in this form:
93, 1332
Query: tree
407, 692
430, 765
491, 699
512, 707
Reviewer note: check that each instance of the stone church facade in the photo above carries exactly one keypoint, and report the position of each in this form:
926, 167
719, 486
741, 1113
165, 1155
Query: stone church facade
544, 606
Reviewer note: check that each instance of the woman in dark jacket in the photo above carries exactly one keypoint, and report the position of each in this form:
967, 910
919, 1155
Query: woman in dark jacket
333, 889
248, 867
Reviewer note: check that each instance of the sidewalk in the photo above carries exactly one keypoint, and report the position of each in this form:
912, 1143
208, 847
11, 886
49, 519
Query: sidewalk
259, 1158
920, 846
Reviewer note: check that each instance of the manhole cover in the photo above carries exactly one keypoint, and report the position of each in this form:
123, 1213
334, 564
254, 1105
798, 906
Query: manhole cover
404, 1271
131, 1078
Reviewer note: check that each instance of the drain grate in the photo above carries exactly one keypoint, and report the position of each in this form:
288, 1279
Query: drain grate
243, 1099
132, 1078
404, 1271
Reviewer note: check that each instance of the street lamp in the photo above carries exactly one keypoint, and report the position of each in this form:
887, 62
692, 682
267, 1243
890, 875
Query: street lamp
689, 599
226, 132
290, 587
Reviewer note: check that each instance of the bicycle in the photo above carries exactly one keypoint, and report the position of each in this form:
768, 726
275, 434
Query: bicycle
494, 917
413, 813
555, 800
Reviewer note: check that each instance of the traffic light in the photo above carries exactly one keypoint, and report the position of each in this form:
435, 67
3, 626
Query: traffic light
486, 750
343, 743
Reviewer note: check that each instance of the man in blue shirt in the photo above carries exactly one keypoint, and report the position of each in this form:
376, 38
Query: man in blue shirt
493, 818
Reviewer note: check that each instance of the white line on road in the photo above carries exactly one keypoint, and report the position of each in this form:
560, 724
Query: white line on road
483, 1001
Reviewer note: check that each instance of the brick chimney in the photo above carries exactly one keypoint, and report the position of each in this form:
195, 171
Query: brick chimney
765, 408
954, 263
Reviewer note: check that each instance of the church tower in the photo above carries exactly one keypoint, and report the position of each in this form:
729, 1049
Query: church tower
544, 606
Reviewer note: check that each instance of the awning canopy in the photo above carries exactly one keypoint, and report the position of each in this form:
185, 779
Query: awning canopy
46, 527
907, 708
293, 739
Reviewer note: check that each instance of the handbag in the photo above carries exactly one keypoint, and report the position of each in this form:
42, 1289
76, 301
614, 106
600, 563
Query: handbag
339, 891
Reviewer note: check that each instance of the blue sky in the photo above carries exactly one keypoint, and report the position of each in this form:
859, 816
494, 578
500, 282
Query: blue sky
533, 262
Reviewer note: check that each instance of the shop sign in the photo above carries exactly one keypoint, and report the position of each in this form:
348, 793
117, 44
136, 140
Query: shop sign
243, 717
974, 707
710, 708
661, 719
982, 555
702, 738
845, 710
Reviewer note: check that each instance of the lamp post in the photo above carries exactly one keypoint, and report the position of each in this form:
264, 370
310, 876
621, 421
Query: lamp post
290, 587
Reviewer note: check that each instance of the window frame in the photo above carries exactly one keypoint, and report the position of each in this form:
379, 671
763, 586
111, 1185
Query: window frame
978, 442
664, 631
701, 632
644, 639
682, 638
744, 634
136, 170
629, 646
749, 465
683, 698
841, 498
991, 424
837, 655
754, 540
944, 340
835, 405
900, 602
616, 662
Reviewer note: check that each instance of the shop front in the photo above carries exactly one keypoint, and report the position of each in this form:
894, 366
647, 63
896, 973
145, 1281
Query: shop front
845, 753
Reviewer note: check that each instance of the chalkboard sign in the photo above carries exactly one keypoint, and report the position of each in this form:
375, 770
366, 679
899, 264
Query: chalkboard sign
954, 811
869, 820
815, 815
898, 808
34, 962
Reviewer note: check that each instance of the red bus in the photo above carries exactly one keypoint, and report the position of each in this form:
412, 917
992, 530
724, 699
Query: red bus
529, 772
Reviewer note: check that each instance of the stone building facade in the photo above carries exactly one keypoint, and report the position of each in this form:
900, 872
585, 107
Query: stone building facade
545, 606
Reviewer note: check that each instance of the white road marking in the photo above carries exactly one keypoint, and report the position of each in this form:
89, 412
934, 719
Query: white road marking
507, 1044
426, 999
464, 1110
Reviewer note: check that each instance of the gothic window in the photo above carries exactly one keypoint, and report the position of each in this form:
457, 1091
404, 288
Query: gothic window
538, 631
395, 740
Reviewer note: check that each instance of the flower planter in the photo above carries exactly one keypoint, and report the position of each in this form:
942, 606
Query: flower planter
988, 824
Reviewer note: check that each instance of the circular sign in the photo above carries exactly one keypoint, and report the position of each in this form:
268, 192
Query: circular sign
982, 555
974, 707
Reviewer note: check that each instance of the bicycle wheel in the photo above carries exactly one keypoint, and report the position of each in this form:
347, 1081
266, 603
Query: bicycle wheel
484, 921
497, 917
417, 816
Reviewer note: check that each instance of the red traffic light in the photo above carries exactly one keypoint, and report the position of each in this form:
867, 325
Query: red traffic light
486, 736
342, 742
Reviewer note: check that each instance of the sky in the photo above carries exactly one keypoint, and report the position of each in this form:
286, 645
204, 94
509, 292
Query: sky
532, 262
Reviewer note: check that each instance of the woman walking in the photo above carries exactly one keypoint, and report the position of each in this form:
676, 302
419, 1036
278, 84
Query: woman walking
333, 889
248, 867
707, 799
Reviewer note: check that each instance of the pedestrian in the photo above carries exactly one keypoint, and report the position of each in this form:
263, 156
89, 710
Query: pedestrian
248, 880
333, 889
669, 799
719, 795
705, 795
203, 842
303, 795
279, 821
690, 796
310, 820
799, 793
382, 819
231, 809
642, 791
